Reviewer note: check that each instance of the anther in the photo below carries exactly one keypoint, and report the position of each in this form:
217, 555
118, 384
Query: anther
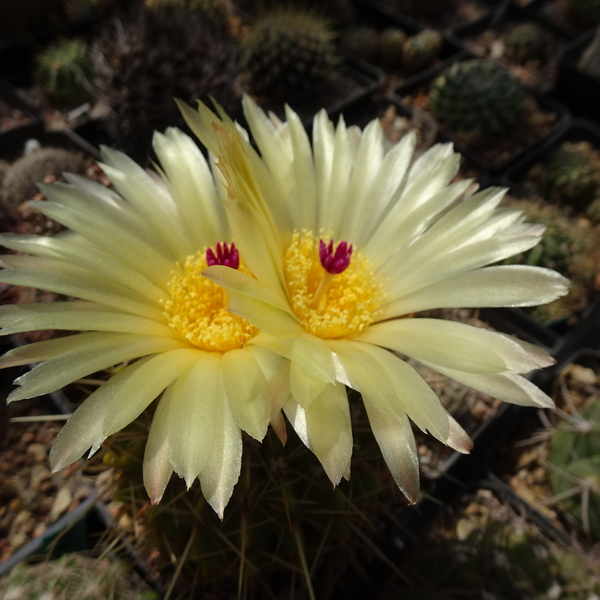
227, 256
335, 262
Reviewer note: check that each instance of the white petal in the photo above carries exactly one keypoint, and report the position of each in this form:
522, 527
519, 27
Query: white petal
330, 431
397, 442
157, 469
505, 285
455, 345
247, 392
222, 469
193, 406
508, 387
88, 357
116, 404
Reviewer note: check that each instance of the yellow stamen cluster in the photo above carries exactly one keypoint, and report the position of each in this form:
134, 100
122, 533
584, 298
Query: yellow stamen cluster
197, 309
351, 301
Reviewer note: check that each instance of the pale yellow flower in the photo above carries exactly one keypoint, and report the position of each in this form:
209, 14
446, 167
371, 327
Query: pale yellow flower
418, 242
134, 259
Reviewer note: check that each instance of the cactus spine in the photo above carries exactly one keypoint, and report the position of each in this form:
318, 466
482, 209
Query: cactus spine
478, 96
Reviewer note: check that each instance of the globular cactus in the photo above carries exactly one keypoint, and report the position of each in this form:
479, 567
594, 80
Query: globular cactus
143, 65
362, 42
478, 96
525, 42
573, 174
284, 513
72, 577
420, 50
574, 459
288, 54
584, 13
65, 70
20, 180
391, 52
217, 12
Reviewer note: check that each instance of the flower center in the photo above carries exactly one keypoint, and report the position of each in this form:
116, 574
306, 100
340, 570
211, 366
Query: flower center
330, 302
197, 308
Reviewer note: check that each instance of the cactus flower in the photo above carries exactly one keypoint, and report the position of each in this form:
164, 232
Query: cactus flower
345, 243
133, 260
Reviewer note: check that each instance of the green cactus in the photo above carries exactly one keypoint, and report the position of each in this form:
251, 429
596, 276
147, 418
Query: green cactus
288, 53
362, 42
65, 70
21, 177
420, 50
72, 577
584, 13
573, 174
391, 48
144, 64
478, 96
284, 513
575, 466
525, 42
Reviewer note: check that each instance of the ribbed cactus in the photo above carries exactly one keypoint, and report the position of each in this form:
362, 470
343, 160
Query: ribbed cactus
478, 96
575, 466
65, 70
525, 42
284, 513
217, 12
288, 53
73, 577
391, 48
420, 50
145, 64
572, 175
362, 42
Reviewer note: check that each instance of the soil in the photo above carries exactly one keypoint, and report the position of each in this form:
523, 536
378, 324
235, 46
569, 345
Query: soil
484, 548
535, 73
11, 117
32, 498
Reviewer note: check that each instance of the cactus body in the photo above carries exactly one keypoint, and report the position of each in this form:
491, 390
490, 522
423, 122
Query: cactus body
70, 577
65, 70
575, 456
20, 179
391, 51
420, 50
362, 42
144, 65
573, 174
217, 12
478, 96
526, 41
288, 54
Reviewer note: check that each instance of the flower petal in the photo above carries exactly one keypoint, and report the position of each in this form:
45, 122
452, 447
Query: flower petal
247, 392
455, 345
89, 356
118, 402
192, 428
508, 387
397, 442
330, 431
504, 285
